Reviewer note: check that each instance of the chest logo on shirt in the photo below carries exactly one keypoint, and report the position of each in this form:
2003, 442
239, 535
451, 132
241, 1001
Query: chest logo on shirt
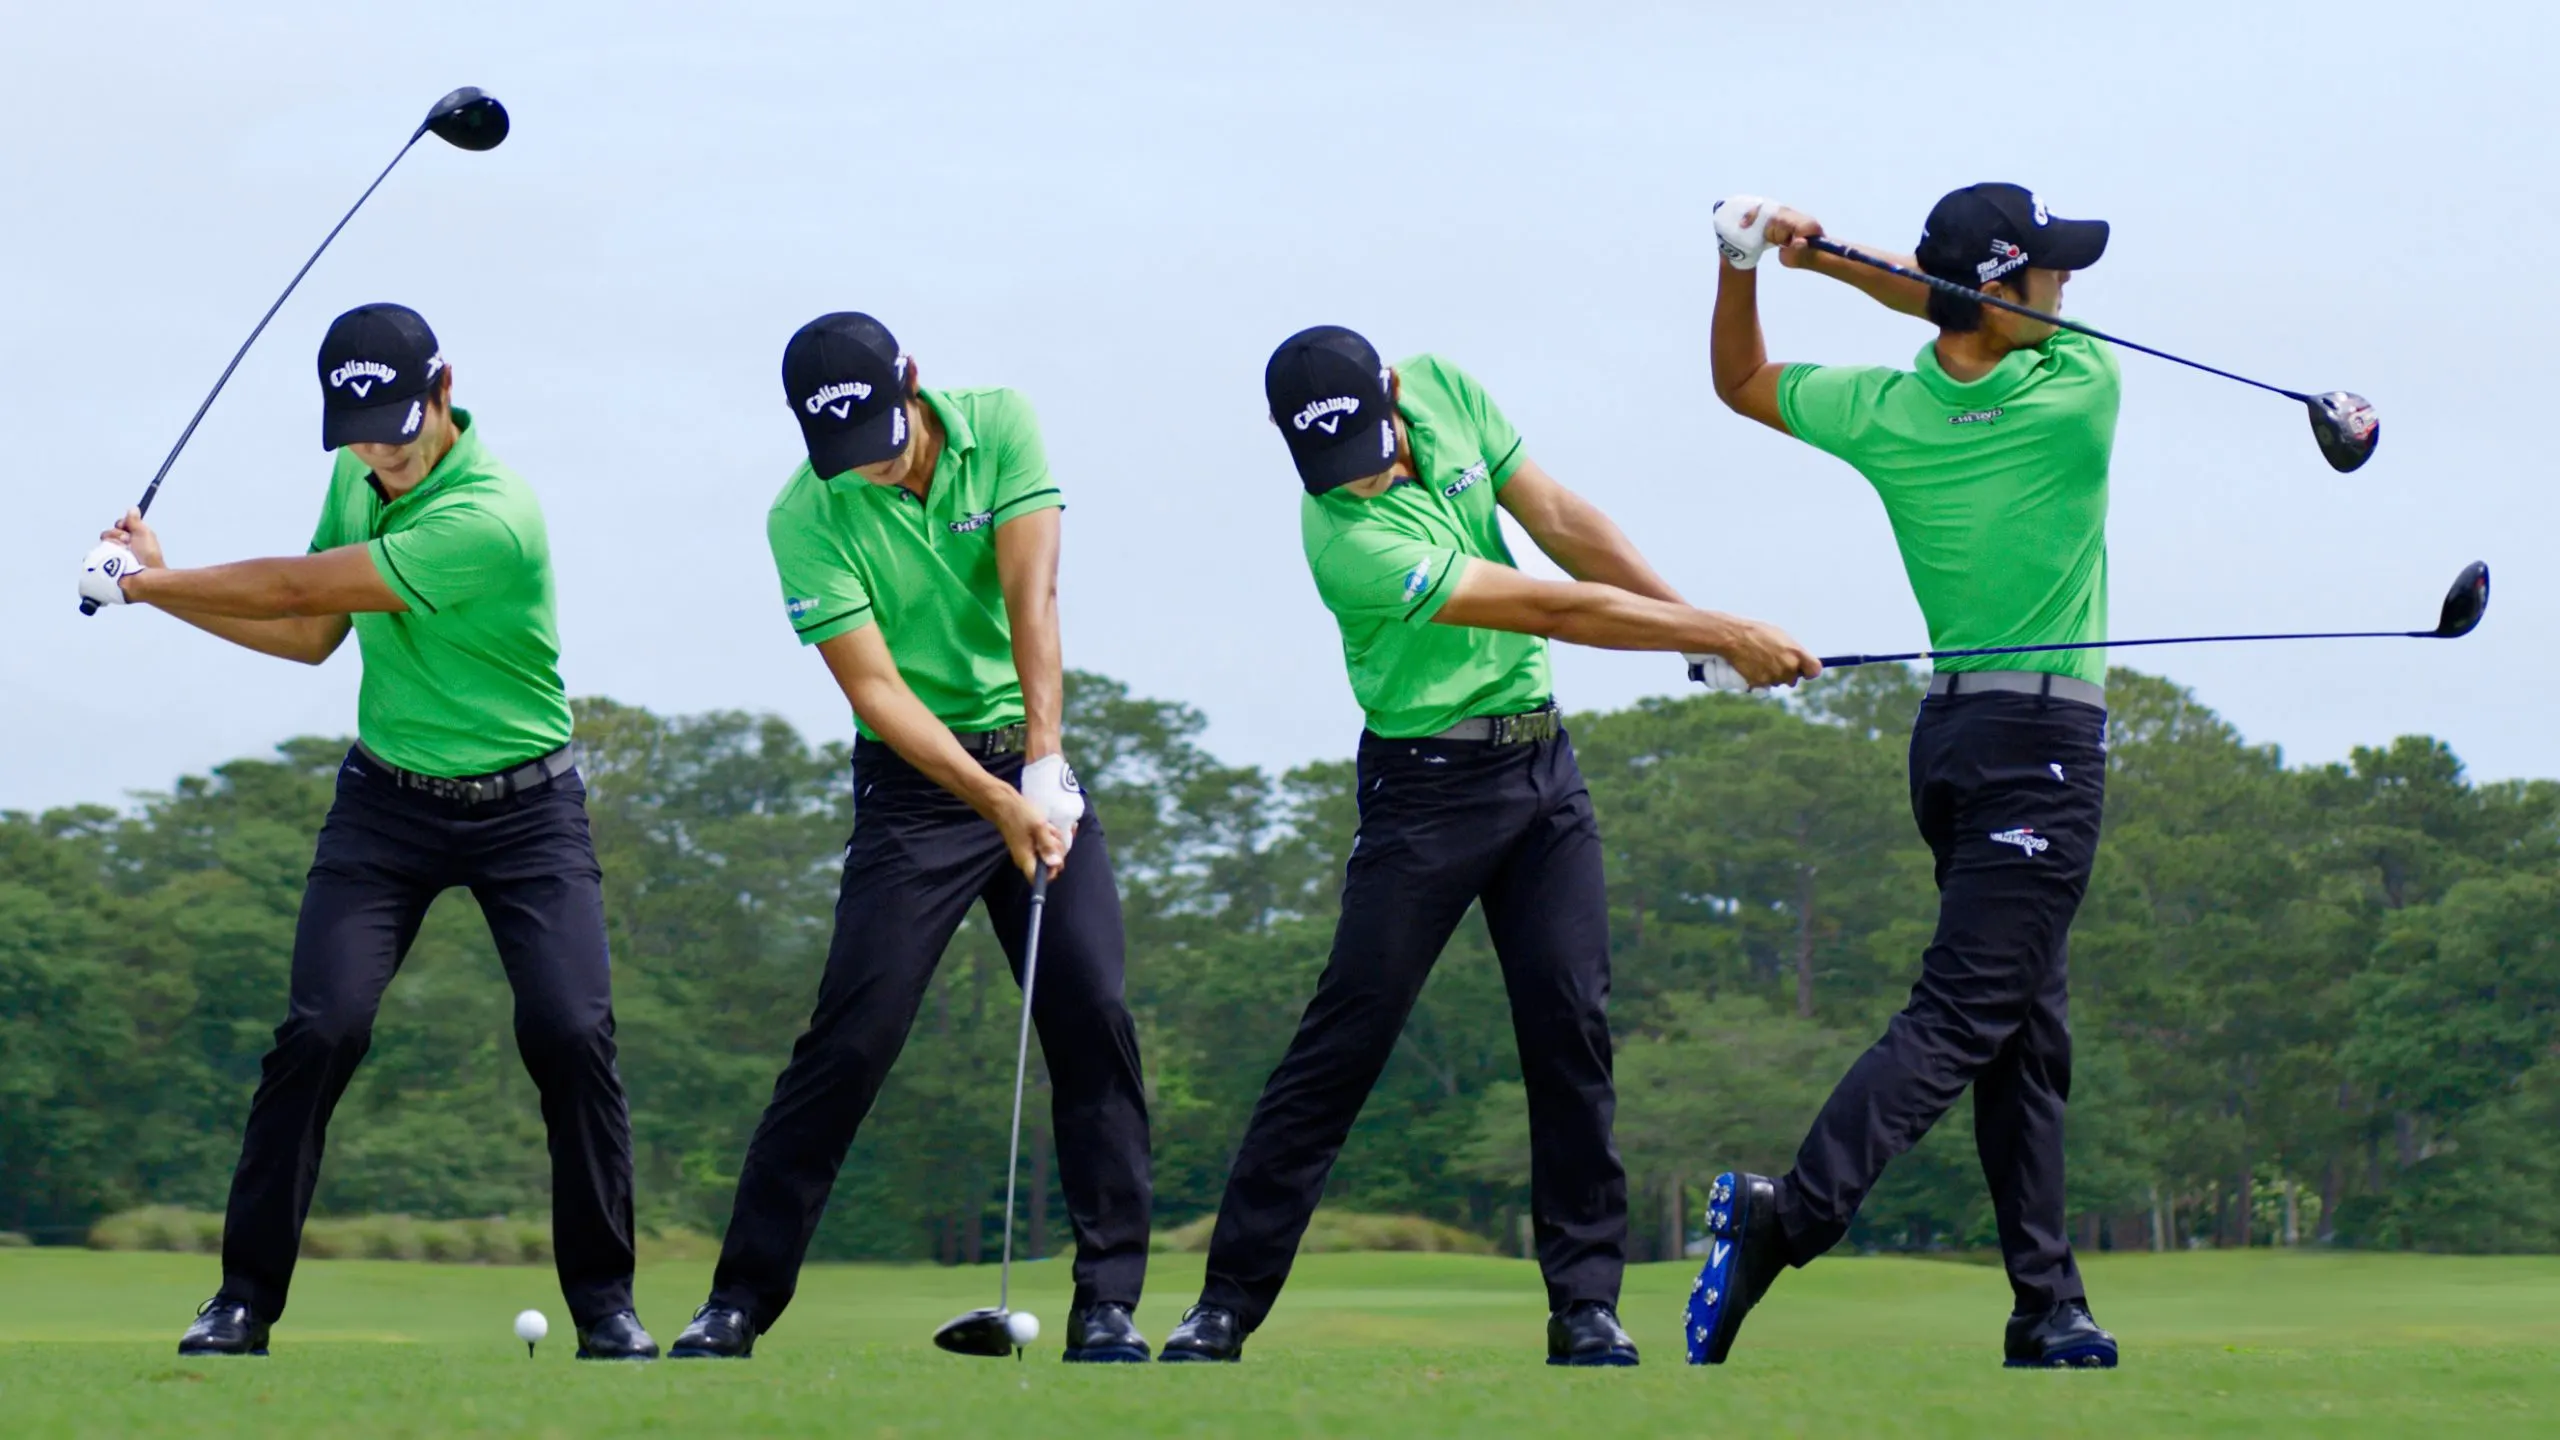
361, 375
847, 394
967, 523
1467, 480
1326, 415
2025, 839
1976, 417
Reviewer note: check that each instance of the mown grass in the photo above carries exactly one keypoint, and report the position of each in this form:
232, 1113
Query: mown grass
1410, 1346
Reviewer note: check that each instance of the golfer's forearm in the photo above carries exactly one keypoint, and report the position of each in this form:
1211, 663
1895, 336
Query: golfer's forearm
1590, 546
923, 741
1604, 617
1038, 661
1736, 350
1893, 292
277, 589
308, 639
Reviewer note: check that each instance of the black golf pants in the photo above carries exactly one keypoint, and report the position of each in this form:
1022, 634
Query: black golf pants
2008, 790
918, 859
383, 856
1444, 824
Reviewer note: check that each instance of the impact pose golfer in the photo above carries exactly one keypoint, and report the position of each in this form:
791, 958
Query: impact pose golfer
918, 551
462, 774
1468, 792
1991, 457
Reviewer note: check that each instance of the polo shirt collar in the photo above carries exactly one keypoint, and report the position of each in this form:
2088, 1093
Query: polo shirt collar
957, 437
1996, 385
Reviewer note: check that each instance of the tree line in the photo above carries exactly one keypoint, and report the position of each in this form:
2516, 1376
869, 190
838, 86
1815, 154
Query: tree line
2312, 1004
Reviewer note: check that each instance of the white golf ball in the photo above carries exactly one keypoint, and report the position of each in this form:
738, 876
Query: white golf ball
1023, 1326
531, 1326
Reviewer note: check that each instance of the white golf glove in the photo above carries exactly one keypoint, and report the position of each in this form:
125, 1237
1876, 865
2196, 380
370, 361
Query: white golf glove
1742, 229
1715, 672
101, 573
1050, 785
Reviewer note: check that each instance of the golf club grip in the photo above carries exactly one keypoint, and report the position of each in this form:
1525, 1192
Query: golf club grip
1829, 246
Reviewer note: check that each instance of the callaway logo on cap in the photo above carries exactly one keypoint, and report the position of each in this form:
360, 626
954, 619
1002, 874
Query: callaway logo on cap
847, 385
1330, 395
377, 365
1982, 233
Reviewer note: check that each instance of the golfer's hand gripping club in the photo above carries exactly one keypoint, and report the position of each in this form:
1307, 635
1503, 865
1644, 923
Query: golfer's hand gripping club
1050, 785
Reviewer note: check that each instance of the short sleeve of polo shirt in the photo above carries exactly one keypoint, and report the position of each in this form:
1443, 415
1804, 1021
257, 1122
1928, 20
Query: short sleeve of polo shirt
1375, 573
1023, 483
821, 591
1826, 406
453, 553
1497, 443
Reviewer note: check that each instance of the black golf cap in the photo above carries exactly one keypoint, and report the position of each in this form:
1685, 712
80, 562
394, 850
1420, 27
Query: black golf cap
377, 364
847, 385
1981, 233
1330, 396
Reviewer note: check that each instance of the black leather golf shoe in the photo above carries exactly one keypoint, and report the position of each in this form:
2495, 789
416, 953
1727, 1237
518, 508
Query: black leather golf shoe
224, 1326
2062, 1338
617, 1336
1206, 1333
1103, 1334
1588, 1334
717, 1333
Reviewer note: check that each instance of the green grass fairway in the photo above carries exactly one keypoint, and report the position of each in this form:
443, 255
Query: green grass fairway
1407, 1346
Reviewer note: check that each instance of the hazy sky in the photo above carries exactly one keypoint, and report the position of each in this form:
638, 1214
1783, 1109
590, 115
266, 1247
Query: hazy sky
1121, 209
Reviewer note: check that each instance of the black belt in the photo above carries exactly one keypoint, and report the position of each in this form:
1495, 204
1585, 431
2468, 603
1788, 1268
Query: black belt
995, 744
478, 789
1526, 728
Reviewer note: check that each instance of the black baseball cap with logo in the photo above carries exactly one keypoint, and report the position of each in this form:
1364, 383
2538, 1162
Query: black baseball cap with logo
1982, 233
1331, 397
377, 364
847, 384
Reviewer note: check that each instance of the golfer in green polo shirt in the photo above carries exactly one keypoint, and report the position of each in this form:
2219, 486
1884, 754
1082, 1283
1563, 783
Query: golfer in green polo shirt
1990, 454
918, 554
1469, 793
435, 555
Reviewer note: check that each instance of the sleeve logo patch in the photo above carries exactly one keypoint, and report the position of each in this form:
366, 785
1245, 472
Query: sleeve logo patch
1976, 417
967, 523
1417, 579
1467, 480
797, 607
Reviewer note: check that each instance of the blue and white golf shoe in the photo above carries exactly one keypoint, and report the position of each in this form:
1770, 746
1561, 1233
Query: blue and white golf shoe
1745, 1252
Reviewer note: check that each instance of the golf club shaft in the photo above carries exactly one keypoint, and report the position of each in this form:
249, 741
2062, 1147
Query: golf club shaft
152, 491
1021, 1067
1841, 662
1833, 247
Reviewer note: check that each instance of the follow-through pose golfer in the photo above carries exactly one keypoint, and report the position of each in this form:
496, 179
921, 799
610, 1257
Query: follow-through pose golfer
1468, 792
918, 551
1991, 457
435, 555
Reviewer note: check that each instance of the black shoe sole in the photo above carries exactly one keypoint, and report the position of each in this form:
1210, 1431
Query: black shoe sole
697, 1352
1172, 1356
1613, 1359
590, 1355
2070, 1357
210, 1354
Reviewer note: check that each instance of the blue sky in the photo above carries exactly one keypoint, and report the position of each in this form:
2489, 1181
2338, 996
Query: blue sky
1120, 209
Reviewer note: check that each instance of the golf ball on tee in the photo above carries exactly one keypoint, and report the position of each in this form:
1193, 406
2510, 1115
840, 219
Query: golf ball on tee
531, 1326
1023, 1326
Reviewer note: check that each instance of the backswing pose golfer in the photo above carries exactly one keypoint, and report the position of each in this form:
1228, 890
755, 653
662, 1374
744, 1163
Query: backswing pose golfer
918, 551
1468, 792
1991, 457
462, 774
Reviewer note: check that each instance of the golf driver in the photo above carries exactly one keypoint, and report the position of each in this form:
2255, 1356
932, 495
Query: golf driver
467, 119
2345, 424
2464, 606
997, 1331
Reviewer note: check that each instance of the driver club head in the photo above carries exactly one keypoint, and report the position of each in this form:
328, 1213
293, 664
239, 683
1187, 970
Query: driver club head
2346, 427
2465, 603
980, 1332
468, 119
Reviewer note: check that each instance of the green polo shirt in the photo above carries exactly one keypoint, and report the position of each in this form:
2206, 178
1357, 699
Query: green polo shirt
851, 553
1386, 566
467, 680
1997, 489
